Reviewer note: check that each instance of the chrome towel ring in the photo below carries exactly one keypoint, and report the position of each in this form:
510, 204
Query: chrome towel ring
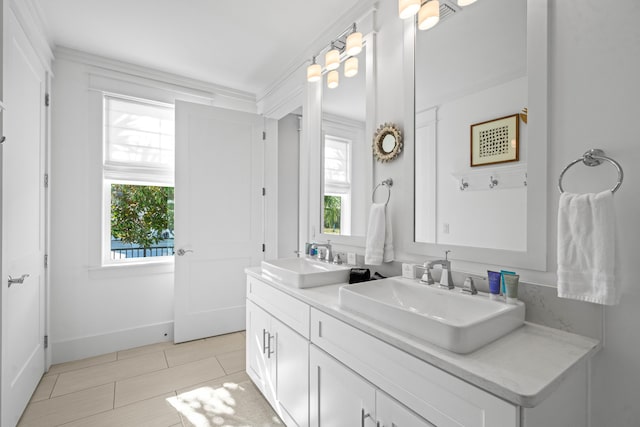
594, 157
388, 183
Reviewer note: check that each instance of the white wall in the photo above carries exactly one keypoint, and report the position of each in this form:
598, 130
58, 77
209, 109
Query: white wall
288, 178
594, 66
95, 309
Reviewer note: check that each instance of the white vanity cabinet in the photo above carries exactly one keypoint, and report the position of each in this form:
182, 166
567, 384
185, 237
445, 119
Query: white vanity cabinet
390, 413
340, 397
277, 356
317, 367
433, 394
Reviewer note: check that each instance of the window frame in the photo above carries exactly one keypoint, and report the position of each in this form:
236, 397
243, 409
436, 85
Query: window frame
344, 191
121, 173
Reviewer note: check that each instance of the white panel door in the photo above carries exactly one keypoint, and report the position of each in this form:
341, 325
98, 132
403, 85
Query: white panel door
218, 217
23, 317
392, 414
338, 396
290, 374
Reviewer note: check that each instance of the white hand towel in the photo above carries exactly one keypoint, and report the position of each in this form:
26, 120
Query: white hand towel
587, 267
388, 253
376, 231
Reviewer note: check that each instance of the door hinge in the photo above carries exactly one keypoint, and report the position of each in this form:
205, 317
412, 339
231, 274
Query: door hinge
263, 247
47, 99
46, 180
46, 260
264, 191
46, 341
264, 135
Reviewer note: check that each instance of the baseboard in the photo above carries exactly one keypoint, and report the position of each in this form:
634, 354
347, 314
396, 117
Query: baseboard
96, 345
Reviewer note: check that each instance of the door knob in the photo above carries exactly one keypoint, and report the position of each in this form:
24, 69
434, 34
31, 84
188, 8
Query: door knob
17, 280
182, 252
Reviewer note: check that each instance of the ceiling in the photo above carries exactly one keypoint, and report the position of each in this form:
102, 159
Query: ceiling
242, 44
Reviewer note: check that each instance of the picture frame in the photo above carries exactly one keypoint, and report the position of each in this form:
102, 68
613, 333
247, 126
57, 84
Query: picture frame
495, 141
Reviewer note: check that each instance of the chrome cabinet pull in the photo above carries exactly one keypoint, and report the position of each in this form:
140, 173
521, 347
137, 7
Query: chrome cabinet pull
17, 280
264, 341
270, 350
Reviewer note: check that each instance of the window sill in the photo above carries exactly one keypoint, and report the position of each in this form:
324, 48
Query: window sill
129, 269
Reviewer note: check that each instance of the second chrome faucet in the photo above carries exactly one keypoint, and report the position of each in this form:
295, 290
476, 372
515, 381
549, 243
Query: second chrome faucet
446, 281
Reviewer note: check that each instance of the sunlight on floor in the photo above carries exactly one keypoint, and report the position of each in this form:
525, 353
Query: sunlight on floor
230, 405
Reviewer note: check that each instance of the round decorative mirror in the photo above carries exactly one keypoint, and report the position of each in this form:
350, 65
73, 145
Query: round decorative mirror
387, 142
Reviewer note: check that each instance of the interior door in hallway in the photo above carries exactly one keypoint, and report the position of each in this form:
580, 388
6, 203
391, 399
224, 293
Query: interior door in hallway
23, 225
219, 217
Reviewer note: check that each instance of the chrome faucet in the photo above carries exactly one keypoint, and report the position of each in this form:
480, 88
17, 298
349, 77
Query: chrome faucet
328, 256
446, 281
469, 287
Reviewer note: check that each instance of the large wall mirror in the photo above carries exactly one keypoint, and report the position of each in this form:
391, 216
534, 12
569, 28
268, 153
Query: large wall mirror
344, 146
341, 123
481, 63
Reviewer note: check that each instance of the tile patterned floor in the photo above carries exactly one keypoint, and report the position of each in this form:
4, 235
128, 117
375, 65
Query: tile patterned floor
200, 383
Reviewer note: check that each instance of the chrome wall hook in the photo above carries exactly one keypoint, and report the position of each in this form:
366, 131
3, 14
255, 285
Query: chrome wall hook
493, 182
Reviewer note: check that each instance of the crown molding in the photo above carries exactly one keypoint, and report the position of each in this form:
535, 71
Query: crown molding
31, 18
189, 84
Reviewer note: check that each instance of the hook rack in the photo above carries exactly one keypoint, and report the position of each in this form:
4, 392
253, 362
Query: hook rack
388, 183
594, 157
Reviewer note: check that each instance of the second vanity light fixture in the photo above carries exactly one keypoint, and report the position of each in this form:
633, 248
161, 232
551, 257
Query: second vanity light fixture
428, 11
347, 44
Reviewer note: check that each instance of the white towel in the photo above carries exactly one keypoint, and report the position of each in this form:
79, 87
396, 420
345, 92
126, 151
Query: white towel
379, 246
587, 267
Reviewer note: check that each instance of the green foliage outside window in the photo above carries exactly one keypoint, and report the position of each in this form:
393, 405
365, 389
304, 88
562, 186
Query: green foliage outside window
141, 214
332, 207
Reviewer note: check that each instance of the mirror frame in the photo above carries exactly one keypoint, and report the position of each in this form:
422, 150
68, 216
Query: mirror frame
314, 137
383, 131
535, 256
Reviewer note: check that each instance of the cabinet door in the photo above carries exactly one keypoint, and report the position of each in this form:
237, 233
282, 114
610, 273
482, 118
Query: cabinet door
393, 414
290, 374
338, 396
258, 355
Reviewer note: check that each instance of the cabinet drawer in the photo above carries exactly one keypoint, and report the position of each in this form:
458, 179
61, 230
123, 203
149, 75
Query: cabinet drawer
439, 397
288, 310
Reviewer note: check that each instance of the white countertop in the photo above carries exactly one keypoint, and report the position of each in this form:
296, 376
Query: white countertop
523, 367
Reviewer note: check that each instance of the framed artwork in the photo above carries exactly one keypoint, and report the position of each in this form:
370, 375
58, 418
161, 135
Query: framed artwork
495, 141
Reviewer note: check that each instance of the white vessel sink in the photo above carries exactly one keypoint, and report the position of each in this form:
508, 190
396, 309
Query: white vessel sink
304, 272
457, 322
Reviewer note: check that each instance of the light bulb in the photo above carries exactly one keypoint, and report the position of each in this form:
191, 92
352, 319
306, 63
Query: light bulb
332, 59
332, 79
408, 8
351, 67
463, 3
314, 72
354, 44
429, 15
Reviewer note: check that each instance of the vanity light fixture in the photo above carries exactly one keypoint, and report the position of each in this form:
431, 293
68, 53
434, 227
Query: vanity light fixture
408, 8
345, 47
351, 67
314, 71
429, 15
463, 3
354, 42
332, 58
332, 79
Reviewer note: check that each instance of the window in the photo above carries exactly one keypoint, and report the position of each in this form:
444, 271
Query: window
337, 185
139, 157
